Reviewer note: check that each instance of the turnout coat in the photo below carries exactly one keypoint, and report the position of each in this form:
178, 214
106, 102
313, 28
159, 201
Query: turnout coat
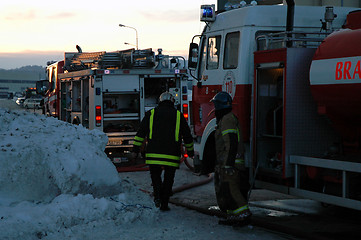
164, 127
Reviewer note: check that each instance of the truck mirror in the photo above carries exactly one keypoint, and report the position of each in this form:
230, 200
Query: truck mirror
193, 56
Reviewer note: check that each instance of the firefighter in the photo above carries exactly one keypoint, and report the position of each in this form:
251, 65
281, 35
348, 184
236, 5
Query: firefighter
164, 127
230, 177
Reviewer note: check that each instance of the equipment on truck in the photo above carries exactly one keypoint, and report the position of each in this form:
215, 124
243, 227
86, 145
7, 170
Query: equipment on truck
111, 91
295, 94
31, 92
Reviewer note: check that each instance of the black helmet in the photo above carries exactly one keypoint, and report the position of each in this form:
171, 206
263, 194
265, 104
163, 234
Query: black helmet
166, 96
222, 100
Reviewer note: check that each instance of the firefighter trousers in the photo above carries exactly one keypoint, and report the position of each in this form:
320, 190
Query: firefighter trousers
231, 190
162, 189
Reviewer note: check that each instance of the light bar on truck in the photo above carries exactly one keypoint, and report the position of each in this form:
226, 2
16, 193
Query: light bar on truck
208, 13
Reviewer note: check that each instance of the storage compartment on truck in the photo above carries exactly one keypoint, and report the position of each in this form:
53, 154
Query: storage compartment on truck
121, 112
155, 86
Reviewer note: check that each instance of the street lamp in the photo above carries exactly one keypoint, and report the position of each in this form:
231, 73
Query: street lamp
136, 32
126, 43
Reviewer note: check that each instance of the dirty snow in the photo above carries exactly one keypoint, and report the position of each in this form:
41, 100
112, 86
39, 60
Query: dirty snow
57, 183
54, 176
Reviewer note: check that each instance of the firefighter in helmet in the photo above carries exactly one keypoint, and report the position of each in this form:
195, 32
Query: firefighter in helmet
231, 178
164, 127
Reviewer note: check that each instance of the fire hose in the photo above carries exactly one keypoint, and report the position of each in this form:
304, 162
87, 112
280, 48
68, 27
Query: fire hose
191, 185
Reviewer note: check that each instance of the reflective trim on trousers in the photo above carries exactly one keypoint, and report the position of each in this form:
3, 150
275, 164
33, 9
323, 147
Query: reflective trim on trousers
238, 210
163, 156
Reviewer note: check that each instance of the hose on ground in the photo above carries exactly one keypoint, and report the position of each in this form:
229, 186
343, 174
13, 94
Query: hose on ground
191, 185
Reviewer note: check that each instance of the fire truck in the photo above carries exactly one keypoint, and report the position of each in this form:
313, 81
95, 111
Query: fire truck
111, 91
294, 75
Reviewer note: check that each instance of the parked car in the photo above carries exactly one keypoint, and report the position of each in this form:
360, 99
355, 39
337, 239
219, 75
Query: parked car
20, 101
32, 103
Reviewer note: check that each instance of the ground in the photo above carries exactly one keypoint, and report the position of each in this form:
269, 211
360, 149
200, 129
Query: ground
57, 183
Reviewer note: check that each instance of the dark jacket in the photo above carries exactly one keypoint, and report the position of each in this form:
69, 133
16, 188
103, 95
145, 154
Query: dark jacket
164, 127
229, 144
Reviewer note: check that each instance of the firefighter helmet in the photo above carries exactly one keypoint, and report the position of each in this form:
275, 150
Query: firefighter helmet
222, 100
166, 96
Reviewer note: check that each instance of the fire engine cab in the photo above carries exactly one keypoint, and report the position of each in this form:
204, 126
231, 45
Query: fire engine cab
111, 91
294, 81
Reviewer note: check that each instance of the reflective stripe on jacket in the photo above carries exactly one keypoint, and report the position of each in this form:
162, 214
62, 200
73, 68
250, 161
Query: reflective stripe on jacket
224, 145
164, 127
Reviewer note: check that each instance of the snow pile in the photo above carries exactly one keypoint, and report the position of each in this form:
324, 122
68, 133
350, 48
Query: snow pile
43, 157
55, 175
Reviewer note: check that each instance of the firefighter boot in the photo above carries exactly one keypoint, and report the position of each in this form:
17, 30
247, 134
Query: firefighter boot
156, 194
237, 220
157, 202
164, 205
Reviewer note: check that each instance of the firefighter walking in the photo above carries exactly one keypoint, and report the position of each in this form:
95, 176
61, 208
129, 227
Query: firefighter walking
163, 127
231, 181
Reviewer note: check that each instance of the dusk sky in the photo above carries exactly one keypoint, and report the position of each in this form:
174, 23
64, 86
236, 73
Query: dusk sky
34, 32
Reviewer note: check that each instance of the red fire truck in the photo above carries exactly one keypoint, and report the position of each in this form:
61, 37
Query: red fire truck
111, 91
295, 85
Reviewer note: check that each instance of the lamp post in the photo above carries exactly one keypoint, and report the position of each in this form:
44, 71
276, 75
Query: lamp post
136, 32
126, 43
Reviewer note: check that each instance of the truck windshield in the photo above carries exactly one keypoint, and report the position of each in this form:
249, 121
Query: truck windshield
213, 51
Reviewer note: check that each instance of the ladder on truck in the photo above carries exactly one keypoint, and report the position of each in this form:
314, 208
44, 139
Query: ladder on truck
124, 59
